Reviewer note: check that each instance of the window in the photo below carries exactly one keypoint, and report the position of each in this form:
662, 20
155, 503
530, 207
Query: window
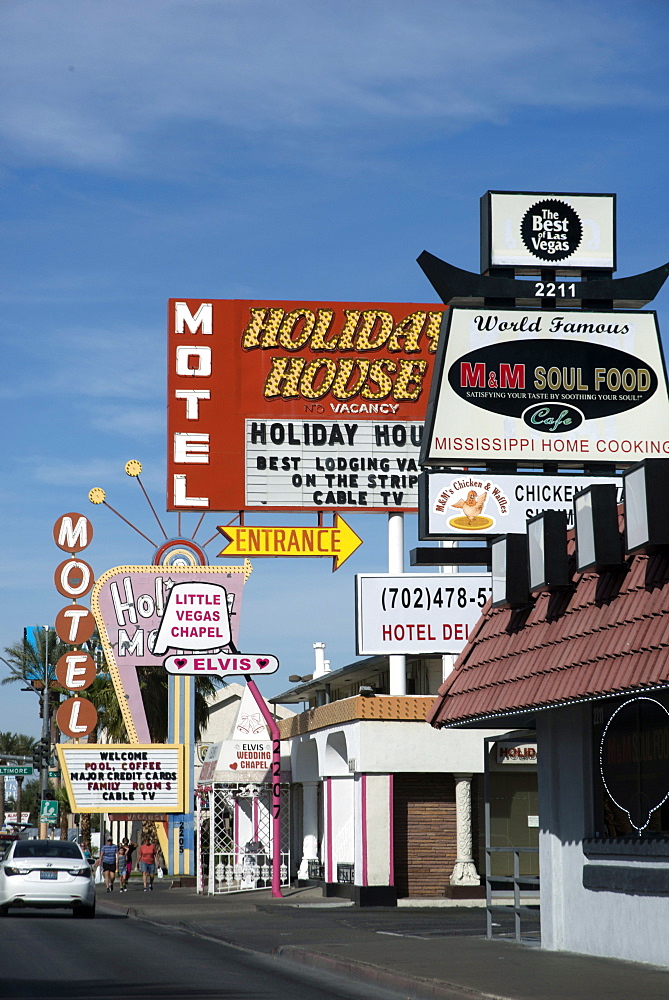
631, 765
47, 849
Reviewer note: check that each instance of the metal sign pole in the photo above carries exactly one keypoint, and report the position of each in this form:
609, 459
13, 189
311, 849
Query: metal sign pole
276, 787
44, 769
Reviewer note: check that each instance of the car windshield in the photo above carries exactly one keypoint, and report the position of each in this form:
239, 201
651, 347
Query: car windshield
47, 849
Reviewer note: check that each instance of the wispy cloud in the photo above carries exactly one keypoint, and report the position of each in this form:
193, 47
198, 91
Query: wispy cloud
137, 422
105, 364
57, 472
111, 85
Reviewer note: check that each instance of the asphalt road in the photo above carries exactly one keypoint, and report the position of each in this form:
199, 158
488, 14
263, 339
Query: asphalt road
52, 956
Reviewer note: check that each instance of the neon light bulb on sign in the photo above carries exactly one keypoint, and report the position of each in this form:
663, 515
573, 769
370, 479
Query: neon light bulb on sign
634, 759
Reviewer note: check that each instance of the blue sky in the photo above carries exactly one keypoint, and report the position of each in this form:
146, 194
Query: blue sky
249, 148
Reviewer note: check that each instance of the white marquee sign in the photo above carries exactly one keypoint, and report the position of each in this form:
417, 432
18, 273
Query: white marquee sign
415, 614
343, 463
135, 777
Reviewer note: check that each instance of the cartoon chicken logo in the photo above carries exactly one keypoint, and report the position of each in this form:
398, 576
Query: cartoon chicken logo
472, 518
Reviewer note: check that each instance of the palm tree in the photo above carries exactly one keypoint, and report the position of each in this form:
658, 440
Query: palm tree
153, 682
64, 810
27, 658
31, 798
154, 685
26, 661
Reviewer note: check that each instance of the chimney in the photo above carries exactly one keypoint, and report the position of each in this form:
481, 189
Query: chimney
319, 656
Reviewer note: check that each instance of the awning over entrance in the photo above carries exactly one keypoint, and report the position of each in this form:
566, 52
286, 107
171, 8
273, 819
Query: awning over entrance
607, 634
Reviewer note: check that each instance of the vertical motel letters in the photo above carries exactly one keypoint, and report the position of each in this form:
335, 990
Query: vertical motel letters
193, 360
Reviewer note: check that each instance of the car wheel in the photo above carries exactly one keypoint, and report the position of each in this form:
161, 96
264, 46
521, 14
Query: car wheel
84, 912
4, 911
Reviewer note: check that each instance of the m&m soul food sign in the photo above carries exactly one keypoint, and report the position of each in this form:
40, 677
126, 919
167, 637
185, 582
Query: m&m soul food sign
536, 386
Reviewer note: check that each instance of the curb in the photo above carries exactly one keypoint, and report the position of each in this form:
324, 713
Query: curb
415, 986
429, 989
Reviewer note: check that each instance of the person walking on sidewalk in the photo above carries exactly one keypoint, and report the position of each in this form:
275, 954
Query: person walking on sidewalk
147, 863
122, 859
130, 849
107, 859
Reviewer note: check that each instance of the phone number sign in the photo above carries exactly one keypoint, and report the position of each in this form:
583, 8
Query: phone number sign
412, 614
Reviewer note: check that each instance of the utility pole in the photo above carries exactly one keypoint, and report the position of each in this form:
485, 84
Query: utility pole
19, 797
44, 768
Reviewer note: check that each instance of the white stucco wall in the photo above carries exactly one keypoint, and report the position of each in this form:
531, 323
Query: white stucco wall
375, 788
612, 924
415, 747
342, 825
344, 753
395, 747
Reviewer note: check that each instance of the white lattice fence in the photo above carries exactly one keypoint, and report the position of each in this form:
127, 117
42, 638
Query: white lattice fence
235, 844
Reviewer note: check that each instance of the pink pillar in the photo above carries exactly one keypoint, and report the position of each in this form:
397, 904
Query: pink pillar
276, 787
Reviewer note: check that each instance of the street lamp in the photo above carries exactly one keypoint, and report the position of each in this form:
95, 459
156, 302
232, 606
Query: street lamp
44, 770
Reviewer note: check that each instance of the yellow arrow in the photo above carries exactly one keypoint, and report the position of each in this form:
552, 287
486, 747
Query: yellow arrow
253, 541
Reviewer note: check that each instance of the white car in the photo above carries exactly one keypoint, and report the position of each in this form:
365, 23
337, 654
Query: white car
46, 873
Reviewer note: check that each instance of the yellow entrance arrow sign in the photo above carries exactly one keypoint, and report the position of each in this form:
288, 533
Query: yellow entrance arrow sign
253, 541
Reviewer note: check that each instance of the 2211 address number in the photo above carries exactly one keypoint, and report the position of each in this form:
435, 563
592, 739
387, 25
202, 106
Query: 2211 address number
553, 290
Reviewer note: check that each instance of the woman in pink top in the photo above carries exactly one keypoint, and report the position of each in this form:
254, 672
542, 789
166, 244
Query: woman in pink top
147, 863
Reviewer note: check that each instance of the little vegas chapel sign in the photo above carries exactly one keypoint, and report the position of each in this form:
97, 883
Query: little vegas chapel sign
528, 385
146, 614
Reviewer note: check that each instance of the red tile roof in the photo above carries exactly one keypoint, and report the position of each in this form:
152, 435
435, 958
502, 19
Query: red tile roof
608, 634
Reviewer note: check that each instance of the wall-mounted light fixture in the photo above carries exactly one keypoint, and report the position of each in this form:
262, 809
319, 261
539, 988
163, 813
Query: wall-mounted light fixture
510, 583
547, 551
598, 544
646, 489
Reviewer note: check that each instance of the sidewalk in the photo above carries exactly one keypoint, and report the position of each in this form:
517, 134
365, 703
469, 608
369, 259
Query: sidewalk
424, 952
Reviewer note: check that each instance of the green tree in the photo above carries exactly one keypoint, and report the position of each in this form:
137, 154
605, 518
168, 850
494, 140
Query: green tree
12, 743
64, 810
26, 658
30, 800
25, 662
154, 685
